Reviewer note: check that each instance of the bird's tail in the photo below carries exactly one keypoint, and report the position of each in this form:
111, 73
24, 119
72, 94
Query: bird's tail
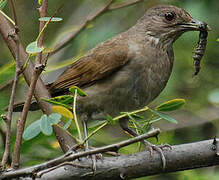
18, 107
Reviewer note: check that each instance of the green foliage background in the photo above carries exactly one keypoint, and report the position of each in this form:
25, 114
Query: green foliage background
197, 121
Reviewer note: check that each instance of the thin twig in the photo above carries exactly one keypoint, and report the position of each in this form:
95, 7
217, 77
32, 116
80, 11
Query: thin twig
94, 132
21, 123
7, 17
60, 165
14, 13
10, 112
45, 60
75, 116
43, 13
13, 92
130, 113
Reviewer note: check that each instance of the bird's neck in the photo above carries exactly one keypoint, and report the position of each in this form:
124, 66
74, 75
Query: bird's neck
162, 41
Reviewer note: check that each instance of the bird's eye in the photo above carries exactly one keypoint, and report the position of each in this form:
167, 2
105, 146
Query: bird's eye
169, 16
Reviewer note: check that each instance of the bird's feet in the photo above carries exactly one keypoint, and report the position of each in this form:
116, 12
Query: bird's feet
94, 158
151, 147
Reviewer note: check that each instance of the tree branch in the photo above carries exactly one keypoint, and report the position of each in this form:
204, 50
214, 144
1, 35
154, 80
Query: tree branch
181, 157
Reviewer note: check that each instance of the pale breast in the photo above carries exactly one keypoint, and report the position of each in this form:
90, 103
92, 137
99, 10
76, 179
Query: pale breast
156, 63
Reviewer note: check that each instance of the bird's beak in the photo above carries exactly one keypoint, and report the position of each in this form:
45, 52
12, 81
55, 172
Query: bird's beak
196, 25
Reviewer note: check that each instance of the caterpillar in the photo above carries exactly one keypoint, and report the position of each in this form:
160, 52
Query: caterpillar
200, 49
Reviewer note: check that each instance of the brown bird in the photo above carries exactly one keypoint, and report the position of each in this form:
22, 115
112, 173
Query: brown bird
129, 70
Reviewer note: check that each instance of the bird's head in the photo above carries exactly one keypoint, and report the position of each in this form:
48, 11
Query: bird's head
169, 22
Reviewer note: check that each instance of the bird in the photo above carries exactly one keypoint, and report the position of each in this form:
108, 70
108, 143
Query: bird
129, 70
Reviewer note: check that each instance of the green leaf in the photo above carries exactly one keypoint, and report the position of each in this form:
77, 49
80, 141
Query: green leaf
79, 91
65, 99
53, 101
55, 19
3, 4
218, 40
164, 116
67, 125
32, 48
137, 117
171, 105
55, 118
46, 125
32, 130
40, 2
155, 120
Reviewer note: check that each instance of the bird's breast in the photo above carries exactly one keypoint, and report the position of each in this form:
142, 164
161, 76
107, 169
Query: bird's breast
133, 86
154, 66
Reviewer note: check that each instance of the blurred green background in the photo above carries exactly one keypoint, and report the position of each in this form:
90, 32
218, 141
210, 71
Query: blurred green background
199, 118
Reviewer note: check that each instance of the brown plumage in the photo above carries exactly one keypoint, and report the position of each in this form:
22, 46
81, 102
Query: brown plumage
97, 64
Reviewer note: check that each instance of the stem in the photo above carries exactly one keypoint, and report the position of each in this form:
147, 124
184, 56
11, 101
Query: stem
46, 24
94, 132
41, 32
75, 116
133, 112
7, 17
27, 61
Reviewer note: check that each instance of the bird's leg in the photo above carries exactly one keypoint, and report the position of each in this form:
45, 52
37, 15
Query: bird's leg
93, 157
85, 135
124, 125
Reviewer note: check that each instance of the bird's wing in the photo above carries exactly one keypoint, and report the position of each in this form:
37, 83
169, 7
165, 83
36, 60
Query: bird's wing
100, 62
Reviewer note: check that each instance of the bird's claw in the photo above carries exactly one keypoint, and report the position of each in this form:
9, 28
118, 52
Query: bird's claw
162, 146
94, 158
159, 149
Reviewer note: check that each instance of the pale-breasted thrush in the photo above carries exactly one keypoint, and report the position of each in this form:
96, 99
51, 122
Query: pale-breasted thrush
129, 70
